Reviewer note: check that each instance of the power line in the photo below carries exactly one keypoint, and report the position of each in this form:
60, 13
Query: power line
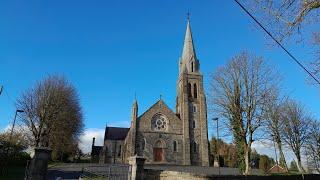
295, 59
8, 96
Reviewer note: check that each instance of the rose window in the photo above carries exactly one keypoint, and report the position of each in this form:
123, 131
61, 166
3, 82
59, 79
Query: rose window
159, 123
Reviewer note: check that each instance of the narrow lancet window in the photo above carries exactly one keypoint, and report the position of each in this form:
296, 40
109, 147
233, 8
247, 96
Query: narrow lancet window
175, 146
194, 147
189, 90
192, 67
195, 91
143, 144
119, 152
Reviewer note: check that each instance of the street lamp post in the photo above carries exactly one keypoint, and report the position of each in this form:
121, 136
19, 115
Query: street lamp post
14, 121
217, 119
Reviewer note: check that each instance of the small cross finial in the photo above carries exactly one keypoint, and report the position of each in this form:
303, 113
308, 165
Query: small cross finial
135, 96
188, 15
160, 96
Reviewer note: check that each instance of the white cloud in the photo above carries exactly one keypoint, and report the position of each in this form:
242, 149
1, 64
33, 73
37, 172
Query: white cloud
86, 139
6, 128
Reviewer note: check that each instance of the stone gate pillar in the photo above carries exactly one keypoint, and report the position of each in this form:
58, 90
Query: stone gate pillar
37, 169
137, 167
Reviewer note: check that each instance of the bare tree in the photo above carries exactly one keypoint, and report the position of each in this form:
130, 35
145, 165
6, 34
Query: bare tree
274, 124
239, 93
316, 63
286, 17
52, 112
313, 146
291, 19
296, 128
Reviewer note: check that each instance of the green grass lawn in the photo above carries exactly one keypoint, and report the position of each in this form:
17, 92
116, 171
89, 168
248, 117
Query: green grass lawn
14, 173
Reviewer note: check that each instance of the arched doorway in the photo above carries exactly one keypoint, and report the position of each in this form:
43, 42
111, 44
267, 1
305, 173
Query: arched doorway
158, 151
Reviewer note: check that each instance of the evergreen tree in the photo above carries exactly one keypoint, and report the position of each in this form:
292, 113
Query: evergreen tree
293, 166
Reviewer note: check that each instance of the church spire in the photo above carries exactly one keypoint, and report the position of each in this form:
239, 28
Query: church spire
188, 59
188, 47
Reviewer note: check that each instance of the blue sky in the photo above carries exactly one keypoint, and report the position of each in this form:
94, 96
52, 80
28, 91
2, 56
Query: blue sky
110, 50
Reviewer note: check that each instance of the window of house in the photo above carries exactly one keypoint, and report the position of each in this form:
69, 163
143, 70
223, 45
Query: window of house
194, 124
194, 108
175, 146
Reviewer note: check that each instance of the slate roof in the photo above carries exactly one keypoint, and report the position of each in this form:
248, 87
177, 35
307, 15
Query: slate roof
116, 133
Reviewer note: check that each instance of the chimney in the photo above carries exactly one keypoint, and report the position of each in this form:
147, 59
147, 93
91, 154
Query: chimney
93, 139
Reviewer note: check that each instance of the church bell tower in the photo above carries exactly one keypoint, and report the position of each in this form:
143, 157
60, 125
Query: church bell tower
191, 105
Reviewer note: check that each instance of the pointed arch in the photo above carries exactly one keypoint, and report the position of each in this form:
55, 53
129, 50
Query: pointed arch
160, 144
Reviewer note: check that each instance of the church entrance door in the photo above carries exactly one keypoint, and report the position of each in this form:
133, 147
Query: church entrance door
158, 154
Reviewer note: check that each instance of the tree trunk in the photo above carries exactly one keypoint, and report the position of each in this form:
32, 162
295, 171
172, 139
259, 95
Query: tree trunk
247, 160
282, 155
299, 164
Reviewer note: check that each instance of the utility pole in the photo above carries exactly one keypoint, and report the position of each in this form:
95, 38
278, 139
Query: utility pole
217, 119
14, 121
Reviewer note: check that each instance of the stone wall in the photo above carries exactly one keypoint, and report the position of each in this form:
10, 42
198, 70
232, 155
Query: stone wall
171, 175
174, 175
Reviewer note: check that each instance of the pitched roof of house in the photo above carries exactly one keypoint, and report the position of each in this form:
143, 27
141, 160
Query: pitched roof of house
277, 169
116, 133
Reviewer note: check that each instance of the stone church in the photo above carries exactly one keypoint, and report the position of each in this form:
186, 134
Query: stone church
159, 134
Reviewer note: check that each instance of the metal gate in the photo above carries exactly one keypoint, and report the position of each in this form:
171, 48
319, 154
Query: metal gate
107, 171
